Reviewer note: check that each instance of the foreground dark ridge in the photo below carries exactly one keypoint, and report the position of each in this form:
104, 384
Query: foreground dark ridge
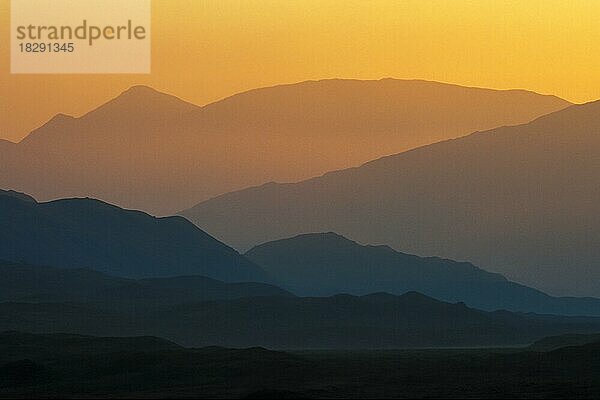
62, 365
377, 321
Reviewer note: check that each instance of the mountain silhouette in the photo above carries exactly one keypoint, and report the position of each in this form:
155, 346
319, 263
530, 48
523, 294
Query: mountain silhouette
87, 233
35, 284
375, 321
151, 151
521, 201
325, 264
18, 195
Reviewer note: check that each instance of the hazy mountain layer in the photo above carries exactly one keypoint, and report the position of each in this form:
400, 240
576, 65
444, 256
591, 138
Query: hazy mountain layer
326, 264
151, 151
522, 201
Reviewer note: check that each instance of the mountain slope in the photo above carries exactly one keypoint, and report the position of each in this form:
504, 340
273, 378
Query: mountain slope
151, 151
86, 233
326, 264
522, 201
35, 284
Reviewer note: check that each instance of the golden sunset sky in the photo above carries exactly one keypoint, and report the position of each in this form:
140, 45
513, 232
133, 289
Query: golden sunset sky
204, 50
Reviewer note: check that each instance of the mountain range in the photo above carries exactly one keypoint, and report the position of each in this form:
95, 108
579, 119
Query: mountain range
154, 152
200, 311
519, 200
97, 246
87, 233
376, 321
326, 264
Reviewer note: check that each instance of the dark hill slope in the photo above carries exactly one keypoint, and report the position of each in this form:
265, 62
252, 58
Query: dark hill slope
86, 233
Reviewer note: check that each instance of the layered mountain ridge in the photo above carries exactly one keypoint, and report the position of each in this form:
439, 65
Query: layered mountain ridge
519, 200
154, 152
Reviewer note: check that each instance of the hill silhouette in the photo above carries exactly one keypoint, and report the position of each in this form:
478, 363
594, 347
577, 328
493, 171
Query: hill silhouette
35, 284
151, 151
87, 233
325, 264
521, 201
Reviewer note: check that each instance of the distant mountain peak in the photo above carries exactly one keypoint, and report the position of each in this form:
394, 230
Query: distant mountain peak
131, 111
327, 240
381, 296
62, 117
149, 94
141, 90
314, 239
59, 120
322, 236
142, 102
57, 124
414, 297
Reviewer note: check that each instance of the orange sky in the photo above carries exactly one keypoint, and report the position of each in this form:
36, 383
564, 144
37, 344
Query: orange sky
204, 50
